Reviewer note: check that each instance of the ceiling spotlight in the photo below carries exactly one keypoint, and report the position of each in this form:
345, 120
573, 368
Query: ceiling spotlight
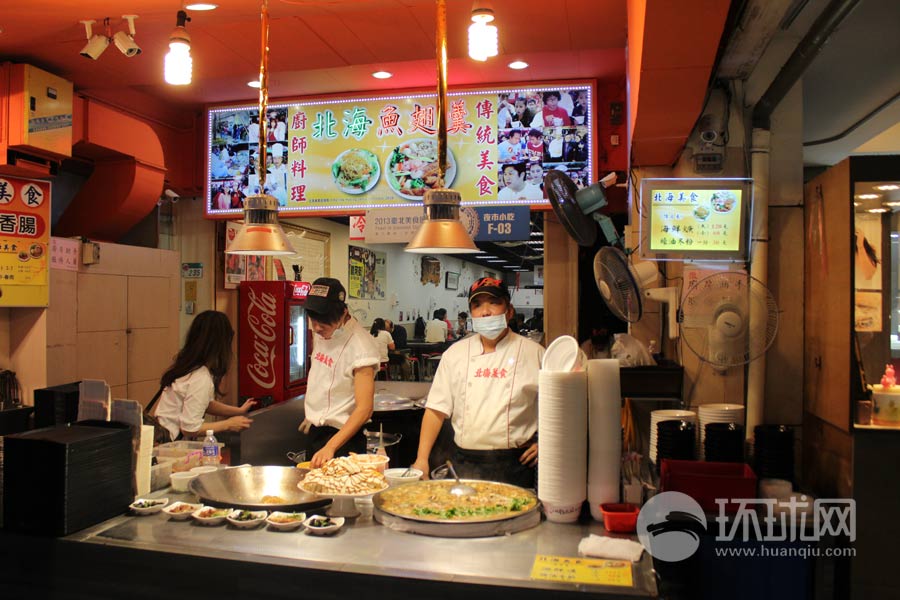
518, 65
868, 196
125, 41
382, 75
879, 210
254, 84
483, 41
96, 44
178, 63
201, 6
888, 187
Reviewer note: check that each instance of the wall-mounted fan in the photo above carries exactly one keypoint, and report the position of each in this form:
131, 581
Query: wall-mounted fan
716, 321
624, 287
574, 208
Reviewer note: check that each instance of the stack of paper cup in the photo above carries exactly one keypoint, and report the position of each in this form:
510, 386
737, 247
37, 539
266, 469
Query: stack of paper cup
718, 413
604, 433
562, 423
667, 415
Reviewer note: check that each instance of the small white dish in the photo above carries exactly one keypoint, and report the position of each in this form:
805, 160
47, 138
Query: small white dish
181, 511
562, 355
181, 480
210, 515
246, 519
148, 506
397, 477
335, 523
286, 521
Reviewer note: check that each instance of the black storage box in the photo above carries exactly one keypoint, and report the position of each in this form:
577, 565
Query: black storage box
61, 479
56, 405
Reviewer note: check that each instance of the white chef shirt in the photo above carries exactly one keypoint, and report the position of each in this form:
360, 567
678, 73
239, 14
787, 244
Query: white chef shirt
491, 399
329, 394
183, 404
435, 331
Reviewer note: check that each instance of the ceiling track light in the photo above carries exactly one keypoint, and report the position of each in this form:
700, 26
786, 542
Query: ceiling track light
483, 38
179, 65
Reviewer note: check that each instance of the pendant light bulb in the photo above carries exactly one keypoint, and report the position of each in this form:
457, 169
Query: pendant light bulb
179, 65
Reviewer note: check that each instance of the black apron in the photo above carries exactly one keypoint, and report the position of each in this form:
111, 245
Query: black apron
319, 436
494, 465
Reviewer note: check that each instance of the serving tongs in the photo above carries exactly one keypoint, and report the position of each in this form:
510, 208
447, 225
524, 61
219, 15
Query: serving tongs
459, 489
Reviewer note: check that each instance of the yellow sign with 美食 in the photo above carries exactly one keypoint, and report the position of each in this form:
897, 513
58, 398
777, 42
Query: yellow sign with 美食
591, 571
24, 242
695, 220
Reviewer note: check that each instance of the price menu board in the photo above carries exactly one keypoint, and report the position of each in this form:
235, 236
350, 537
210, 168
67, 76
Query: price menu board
703, 219
347, 155
24, 242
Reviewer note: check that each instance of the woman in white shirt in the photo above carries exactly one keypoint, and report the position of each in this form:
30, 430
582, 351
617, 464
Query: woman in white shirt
340, 391
487, 385
383, 338
191, 385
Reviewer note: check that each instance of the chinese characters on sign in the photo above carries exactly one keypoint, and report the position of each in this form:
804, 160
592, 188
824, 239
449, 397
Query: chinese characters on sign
367, 273
382, 152
695, 220
65, 253
595, 571
24, 242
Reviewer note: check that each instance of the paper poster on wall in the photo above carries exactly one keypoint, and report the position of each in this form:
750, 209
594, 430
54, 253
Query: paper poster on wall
538, 274
867, 251
235, 264
867, 311
24, 242
367, 273
352, 154
431, 271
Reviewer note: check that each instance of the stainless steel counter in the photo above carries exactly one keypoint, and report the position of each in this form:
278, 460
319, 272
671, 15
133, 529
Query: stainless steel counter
365, 547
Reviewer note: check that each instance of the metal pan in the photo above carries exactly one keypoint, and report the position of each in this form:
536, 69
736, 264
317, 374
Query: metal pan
245, 488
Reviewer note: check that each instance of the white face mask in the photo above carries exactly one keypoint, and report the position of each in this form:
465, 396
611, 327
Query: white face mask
490, 327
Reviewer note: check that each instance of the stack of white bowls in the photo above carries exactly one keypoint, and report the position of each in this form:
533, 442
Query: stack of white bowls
667, 415
718, 413
562, 421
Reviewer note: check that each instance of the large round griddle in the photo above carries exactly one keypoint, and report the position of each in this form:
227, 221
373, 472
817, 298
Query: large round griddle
486, 527
244, 488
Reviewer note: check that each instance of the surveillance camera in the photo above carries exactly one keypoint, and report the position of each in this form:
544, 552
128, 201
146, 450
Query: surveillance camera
95, 47
126, 45
171, 195
710, 127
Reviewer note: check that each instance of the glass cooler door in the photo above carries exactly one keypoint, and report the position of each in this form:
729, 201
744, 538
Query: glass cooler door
297, 346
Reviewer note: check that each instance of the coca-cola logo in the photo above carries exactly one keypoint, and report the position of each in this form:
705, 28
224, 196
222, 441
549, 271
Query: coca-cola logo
261, 318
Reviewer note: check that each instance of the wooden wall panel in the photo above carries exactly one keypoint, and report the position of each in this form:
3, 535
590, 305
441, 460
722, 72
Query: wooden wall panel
149, 354
102, 355
148, 302
828, 315
102, 302
560, 281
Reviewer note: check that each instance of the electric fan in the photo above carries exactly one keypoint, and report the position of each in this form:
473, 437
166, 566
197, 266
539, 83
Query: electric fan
728, 319
623, 287
572, 207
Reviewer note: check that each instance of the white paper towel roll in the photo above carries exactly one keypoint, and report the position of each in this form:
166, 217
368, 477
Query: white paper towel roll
604, 433
562, 423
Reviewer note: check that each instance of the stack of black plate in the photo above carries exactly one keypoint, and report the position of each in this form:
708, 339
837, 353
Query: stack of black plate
724, 442
773, 452
61, 479
675, 440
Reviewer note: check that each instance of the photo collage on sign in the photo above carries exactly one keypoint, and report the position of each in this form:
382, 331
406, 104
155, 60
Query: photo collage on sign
233, 157
537, 132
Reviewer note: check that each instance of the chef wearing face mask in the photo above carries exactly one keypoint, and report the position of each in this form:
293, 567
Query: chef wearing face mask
341, 386
487, 384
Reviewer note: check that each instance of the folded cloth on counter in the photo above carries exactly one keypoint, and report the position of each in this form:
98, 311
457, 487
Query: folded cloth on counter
607, 547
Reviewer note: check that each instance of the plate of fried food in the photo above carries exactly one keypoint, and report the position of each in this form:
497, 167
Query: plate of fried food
343, 476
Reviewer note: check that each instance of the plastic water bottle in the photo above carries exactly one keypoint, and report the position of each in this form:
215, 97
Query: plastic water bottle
211, 449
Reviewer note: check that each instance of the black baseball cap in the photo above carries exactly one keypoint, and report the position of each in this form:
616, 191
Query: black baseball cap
491, 286
325, 293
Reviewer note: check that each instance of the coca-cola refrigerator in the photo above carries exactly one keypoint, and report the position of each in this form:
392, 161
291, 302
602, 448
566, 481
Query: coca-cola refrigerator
273, 340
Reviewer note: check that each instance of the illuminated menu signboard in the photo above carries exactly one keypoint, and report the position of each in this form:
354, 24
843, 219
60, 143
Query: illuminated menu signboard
350, 155
702, 219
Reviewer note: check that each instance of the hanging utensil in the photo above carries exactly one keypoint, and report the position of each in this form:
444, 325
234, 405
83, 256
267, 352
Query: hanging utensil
460, 489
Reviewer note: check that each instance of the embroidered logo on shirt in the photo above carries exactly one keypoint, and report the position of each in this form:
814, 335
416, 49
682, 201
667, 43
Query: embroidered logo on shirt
324, 359
491, 373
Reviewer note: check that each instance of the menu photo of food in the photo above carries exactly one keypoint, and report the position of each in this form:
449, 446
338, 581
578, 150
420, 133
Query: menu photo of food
412, 168
356, 171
